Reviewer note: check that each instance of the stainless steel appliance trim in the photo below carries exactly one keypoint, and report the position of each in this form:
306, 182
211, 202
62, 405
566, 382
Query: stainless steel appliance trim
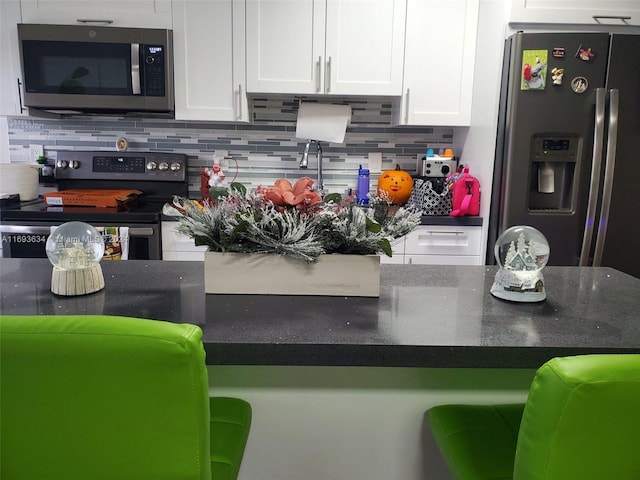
594, 187
609, 168
239, 116
135, 68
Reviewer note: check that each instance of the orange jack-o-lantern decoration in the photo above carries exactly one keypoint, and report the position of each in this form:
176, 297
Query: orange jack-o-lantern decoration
397, 183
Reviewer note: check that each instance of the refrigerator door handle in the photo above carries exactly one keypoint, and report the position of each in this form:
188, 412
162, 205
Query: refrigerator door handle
610, 163
594, 186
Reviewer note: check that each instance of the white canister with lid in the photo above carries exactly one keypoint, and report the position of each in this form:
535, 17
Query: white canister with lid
20, 178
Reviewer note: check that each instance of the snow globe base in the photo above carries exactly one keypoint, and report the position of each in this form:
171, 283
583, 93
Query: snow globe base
519, 288
77, 282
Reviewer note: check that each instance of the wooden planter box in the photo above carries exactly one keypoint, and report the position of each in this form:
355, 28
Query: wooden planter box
270, 274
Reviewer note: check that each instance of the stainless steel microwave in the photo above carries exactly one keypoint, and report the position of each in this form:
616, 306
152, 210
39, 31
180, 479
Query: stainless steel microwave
96, 69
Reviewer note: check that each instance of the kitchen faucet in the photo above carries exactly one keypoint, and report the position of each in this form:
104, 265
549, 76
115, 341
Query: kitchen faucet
304, 163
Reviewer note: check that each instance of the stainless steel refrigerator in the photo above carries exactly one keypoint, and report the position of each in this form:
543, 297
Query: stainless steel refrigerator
568, 146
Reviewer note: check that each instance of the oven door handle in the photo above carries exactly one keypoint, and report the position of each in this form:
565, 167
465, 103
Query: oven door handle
40, 230
25, 229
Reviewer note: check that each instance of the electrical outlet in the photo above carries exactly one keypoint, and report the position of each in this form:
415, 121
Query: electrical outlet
375, 162
35, 151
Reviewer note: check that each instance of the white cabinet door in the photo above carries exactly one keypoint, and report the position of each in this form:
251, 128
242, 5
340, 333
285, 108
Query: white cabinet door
208, 40
11, 85
364, 47
118, 13
352, 47
592, 12
285, 46
439, 62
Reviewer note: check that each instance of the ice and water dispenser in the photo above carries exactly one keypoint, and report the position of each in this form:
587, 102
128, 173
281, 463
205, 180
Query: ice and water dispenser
554, 163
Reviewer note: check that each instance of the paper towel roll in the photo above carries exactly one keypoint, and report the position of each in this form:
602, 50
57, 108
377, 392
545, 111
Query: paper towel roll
322, 122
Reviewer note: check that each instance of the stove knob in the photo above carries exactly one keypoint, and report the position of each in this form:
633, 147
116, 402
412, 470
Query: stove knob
175, 167
152, 166
62, 164
75, 164
163, 166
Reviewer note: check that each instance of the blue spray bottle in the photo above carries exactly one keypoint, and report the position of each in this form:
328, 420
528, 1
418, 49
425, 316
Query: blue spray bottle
363, 186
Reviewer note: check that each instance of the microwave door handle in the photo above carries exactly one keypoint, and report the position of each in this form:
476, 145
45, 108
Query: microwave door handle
135, 68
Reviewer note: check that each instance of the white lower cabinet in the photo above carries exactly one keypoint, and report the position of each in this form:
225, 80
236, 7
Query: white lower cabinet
443, 245
397, 249
176, 246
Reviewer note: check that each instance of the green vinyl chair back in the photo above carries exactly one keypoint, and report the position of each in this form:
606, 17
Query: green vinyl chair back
102, 397
581, 421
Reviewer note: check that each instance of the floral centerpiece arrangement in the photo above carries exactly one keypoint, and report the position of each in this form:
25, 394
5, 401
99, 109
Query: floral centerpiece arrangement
292, 220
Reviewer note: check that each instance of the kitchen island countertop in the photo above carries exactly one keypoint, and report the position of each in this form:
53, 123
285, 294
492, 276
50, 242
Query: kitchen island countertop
426, 316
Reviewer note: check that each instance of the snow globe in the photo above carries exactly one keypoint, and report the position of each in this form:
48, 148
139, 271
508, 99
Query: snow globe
521, 252
75, 250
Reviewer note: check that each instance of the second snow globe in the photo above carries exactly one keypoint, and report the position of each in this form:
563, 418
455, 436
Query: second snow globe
521, 252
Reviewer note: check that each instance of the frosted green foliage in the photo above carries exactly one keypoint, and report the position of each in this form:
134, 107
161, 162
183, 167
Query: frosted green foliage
241, 221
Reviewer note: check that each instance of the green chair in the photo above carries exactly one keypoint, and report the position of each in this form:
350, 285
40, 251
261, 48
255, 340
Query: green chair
581, 421
104, 397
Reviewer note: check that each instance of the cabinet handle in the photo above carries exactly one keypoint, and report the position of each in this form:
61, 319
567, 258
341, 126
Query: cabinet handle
239, 101
327, 76
93, 20
20, 95
406, 107
622, 18
318, 70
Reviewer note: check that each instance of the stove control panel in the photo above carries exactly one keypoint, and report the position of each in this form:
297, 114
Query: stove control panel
154, 166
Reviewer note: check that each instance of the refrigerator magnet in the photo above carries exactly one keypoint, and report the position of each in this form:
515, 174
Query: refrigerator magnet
556, 76
534, 69
557, 52
585, 54
579, 84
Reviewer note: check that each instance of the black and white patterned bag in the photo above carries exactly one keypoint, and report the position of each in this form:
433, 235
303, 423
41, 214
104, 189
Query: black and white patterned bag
431, 202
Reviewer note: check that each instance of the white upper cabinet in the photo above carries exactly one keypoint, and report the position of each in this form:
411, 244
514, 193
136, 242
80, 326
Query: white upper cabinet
439, 63
585, 12
118, 13
209, 59
342, 47
11, 85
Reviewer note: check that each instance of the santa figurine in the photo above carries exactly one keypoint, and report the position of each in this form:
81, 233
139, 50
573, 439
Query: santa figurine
211, 177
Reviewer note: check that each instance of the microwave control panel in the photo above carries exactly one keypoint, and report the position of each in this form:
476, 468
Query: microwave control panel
154, 70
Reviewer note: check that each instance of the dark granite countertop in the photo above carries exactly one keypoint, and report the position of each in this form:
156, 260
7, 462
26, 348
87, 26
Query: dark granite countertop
426, 316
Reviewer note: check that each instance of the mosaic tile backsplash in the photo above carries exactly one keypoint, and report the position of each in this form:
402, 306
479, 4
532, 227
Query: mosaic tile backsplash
258, 153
